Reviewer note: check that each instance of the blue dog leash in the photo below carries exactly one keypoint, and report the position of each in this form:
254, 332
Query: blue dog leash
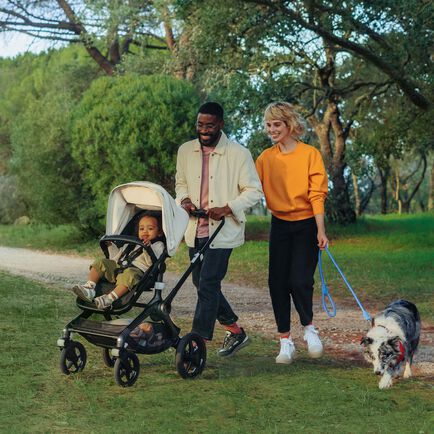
325, 292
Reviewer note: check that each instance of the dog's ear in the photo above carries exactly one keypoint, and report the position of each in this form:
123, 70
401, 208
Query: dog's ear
395, 343
366, 341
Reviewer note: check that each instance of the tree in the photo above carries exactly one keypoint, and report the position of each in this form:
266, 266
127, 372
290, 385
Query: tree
129, 128
316, 57
107, 29
40, 134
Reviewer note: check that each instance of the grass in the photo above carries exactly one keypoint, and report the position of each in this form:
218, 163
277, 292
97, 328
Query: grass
248, 393
383, 257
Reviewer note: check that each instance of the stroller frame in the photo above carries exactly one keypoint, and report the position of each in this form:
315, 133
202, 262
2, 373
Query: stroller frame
119, 349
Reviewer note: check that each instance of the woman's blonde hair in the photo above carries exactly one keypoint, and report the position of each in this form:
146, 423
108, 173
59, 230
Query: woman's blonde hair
285, 112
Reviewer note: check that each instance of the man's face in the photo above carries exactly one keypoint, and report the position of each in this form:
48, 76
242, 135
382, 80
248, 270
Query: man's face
208, 128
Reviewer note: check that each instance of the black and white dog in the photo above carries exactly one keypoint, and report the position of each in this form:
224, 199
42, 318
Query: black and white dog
392, 341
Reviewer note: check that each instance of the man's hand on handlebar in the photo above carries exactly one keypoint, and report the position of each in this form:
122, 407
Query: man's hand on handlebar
187, 204
218, 213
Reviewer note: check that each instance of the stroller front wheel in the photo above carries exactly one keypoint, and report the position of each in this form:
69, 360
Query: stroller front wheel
73, 358
127, 369
190, 356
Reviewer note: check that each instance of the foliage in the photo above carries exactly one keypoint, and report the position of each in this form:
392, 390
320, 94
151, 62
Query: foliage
11, 203
40, 133
129, 128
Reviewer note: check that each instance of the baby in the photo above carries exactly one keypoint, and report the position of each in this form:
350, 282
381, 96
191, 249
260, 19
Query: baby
148, 228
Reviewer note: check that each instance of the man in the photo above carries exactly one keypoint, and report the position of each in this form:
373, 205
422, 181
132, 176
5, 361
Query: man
218, 175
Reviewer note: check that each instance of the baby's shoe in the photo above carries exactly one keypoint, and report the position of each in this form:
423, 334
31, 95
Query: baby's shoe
104, 301
86, 292
314, 344
287, 351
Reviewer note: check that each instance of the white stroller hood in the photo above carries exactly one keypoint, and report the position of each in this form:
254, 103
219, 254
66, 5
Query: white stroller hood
127, 199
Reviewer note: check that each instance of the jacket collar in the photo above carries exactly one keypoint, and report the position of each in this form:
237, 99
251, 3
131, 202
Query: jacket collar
221, 145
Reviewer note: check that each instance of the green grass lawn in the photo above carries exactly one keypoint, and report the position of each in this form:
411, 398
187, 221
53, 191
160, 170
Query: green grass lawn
248, 393
383, 257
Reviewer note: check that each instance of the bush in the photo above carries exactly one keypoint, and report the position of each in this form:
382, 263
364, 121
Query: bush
128, 128
11, 202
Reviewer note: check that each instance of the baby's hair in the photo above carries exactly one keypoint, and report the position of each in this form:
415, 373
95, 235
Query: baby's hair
285, 112
154, 214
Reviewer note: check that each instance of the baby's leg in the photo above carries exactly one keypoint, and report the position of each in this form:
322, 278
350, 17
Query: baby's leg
94, 275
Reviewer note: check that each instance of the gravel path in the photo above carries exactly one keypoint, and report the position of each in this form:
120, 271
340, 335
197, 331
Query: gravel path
341, 334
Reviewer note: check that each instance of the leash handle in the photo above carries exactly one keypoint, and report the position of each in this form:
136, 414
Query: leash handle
325, 295
365, 314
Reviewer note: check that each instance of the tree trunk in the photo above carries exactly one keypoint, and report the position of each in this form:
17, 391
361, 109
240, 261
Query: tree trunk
384, 176
431, 188
357, 201
338, 204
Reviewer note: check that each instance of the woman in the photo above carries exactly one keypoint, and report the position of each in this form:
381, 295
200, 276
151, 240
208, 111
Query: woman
295, 186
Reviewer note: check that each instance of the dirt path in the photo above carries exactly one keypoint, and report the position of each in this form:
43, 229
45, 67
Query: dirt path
341, 334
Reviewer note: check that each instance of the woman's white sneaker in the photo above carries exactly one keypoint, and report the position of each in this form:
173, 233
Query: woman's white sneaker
314, 344
287, 351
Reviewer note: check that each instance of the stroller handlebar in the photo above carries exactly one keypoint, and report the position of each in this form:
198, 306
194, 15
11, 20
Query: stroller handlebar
201, 213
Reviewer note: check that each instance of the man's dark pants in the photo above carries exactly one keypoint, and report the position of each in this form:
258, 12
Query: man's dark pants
207, 278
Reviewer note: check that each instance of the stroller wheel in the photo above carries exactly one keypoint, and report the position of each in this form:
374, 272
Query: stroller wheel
73, 358
190, 356
127, 369
107, 358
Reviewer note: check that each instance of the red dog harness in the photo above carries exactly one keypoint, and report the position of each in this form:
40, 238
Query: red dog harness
401, 353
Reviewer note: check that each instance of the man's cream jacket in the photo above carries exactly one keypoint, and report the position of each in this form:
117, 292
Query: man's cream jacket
233, 181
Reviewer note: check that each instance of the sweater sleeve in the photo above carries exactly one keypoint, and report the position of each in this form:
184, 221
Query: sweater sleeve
318, 183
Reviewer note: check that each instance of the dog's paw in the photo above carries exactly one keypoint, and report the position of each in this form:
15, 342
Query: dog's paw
385, 382
407, 370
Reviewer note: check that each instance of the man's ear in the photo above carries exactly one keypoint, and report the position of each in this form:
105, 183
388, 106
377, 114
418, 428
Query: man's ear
366, 341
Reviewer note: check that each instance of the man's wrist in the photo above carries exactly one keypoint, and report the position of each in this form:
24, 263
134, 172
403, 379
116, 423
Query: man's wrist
185, 201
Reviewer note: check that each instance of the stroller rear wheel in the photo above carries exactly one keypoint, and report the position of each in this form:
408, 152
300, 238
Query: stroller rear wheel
190, 356
107, 358
73, 358
127, 369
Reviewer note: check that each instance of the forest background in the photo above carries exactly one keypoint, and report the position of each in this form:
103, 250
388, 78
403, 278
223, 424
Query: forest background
118, 93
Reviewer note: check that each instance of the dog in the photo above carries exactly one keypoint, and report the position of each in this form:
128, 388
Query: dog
392, 341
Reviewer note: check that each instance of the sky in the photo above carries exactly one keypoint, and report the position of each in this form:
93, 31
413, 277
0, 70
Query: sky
12, 44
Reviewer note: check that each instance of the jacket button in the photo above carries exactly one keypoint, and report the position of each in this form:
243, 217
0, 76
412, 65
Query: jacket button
211, 201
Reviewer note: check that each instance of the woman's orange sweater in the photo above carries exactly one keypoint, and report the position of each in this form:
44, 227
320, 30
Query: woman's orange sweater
295, 183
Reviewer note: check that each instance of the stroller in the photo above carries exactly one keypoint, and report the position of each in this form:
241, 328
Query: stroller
105, 328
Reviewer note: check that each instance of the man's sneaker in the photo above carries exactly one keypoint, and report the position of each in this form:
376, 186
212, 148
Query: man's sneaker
314, 344
233, 342
287, 351
86, 292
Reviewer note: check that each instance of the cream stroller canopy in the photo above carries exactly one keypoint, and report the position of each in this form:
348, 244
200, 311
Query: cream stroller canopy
127, 199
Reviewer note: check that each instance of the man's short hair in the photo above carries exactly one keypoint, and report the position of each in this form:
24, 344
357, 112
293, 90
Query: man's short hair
212, 108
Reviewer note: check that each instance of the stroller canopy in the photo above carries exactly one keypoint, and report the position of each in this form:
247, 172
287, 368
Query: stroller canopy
127, 199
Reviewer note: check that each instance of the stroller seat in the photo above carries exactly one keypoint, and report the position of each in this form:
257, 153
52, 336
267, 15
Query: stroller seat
130, 299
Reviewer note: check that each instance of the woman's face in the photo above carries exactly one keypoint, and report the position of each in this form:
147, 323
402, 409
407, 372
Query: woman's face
277, 130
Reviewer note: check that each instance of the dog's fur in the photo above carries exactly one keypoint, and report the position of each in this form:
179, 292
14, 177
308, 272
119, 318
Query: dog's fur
392, 341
